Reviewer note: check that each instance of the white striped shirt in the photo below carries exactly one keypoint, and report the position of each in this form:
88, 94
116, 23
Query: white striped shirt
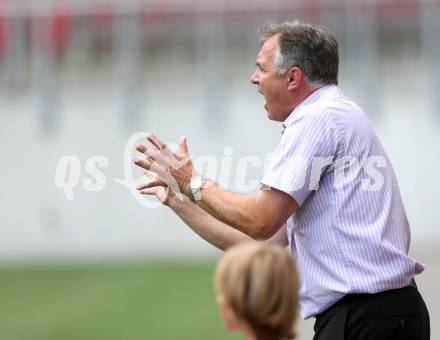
345, 239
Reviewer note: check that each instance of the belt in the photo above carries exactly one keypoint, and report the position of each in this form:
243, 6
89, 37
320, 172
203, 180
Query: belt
347, 297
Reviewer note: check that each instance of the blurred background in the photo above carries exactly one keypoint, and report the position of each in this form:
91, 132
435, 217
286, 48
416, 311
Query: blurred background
78, 78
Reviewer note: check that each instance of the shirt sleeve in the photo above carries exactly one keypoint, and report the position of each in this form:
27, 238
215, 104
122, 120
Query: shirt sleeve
307, 149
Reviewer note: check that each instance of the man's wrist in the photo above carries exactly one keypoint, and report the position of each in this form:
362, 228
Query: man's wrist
186, 185
175, 203
189, 193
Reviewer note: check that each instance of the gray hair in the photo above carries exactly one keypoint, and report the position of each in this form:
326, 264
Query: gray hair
313, 49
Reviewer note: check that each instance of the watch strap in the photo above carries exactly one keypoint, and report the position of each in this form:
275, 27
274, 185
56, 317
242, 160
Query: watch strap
194, 193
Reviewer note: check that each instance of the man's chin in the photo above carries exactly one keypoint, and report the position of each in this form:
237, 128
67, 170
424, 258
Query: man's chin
271, 115
268, 111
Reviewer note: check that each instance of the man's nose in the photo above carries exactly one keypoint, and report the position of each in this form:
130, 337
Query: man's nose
254, 78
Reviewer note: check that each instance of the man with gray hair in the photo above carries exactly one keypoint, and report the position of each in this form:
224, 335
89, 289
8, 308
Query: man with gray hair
351, 237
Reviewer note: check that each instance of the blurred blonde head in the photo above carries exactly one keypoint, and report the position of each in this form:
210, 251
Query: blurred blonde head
257, 290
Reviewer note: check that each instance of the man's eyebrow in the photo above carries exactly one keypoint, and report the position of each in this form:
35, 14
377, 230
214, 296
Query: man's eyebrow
259, 65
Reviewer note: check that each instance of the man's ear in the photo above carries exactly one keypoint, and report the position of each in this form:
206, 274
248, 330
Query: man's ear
294, 78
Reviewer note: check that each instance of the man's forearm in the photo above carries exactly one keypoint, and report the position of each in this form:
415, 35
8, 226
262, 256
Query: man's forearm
206, 226
215, 231
236, 210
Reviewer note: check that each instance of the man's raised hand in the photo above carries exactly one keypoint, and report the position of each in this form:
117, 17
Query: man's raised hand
173, 170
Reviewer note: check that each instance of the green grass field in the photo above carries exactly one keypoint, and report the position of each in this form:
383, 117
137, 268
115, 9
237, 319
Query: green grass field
94, 302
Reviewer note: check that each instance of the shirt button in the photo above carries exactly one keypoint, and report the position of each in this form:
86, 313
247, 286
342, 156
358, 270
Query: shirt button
402, 322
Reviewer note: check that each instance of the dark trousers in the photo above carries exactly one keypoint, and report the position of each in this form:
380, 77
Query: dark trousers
398, 314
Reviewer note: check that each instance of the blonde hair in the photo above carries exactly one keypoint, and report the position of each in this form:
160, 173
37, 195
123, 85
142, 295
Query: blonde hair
259, 283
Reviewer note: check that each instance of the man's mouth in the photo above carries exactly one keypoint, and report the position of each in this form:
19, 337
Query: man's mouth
265, 105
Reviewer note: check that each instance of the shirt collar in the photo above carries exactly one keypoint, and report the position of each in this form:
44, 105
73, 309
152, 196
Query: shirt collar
323, 93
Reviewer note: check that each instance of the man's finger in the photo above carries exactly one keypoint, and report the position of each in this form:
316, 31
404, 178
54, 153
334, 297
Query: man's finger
156, 142
160, 192
183, 147
163, 158
149, 191
150, 184
150, 173
161, 146
145, 164
141, 148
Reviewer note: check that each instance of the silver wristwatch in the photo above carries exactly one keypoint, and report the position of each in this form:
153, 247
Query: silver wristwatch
195, 187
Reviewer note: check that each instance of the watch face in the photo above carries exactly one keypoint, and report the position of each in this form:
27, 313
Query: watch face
196, 183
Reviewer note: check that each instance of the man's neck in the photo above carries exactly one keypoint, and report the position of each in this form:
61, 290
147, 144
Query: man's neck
306, 92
